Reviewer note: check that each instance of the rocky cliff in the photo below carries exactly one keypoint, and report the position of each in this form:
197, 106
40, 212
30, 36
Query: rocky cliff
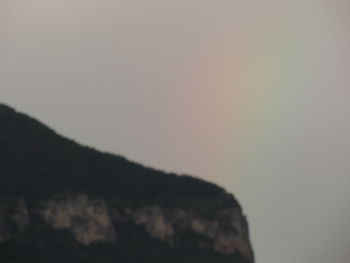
62, 202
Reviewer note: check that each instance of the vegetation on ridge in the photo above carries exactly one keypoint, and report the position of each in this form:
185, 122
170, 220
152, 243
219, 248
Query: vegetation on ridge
35, 161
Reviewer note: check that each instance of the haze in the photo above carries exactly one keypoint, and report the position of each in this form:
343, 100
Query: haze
252, 95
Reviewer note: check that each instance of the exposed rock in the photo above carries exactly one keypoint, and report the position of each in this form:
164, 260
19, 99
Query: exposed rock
63, 202
89, 221
154, 220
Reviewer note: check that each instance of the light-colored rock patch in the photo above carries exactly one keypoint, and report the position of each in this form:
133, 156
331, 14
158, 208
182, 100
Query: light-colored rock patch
91, 220
155, 222
228, 231
88, 219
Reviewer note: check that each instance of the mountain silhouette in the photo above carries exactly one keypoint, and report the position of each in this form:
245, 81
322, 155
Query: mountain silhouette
64, 202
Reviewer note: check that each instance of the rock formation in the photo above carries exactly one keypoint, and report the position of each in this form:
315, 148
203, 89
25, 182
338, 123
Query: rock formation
62, 202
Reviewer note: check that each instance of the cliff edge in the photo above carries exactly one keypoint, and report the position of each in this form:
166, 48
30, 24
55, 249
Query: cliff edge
63, 202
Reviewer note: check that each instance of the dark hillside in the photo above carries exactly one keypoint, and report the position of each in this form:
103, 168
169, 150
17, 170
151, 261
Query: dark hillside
35, 160
64, 202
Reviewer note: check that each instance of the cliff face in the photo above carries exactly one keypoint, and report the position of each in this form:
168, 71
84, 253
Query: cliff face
106, 218
89, 220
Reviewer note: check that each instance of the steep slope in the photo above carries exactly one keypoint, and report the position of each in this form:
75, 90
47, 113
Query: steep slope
63, 202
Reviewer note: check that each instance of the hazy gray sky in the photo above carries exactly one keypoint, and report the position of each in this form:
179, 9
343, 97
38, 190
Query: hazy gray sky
253, 95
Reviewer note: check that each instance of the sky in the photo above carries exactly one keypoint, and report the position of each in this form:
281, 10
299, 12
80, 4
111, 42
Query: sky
252, 95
